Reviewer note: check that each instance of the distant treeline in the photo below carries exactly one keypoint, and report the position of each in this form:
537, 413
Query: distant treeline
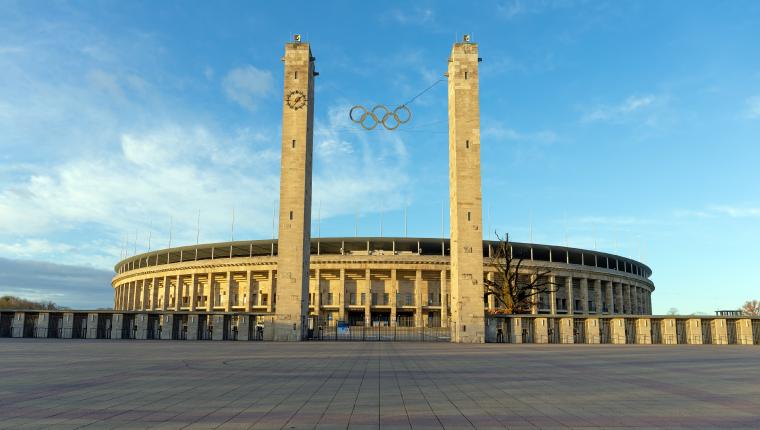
11, 302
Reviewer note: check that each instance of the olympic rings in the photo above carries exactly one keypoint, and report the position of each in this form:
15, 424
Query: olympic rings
388, 118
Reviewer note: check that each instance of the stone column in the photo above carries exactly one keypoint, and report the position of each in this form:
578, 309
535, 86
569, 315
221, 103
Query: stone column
540, 330
394, 295
293, 257
744, 331
566, 330
465, 197
249, 304
230, 289
193, 292
592, 330
569, 295
341, 301
167, 287
444, 300
418, 320
553, 294
618, 297
598, 301
719, 331
627, 299
610, 296
694, 331
368, 298
643, 331
668, 331
584, 295
210, 303
617, 331
272, 288
178, 293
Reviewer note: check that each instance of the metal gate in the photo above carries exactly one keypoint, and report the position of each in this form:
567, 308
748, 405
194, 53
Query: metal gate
656, 331
706, 332
681, 332
153, 329
528, 330
79, 325
630, 331
731, 331
6, 322
552, 330
55, 326
342, 331
104, 326
128, 327
205, 328
579, 330
604, 330
179, 327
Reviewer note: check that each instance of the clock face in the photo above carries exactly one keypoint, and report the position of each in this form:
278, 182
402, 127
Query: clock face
296, 100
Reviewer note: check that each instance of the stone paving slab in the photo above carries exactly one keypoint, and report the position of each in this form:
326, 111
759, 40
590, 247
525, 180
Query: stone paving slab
81, 384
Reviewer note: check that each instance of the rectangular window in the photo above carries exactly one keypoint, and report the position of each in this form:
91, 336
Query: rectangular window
409, 301
385, 298
264, 298
374, 298
363, 299
352, 298
293, 143
329, 298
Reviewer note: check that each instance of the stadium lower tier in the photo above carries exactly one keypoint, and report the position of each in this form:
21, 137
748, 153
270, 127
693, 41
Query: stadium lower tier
372, 281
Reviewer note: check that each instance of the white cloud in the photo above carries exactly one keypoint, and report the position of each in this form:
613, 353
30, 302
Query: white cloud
753, 107
620, 111
247, 85
417, 16
499, 131
33, 247
737, 211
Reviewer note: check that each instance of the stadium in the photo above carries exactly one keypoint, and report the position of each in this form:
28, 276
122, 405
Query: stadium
370, 281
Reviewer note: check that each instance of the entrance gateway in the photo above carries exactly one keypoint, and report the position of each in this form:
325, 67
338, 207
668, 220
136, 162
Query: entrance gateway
467, 322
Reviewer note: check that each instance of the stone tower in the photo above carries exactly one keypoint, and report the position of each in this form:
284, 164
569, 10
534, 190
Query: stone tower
467, 310
292, 290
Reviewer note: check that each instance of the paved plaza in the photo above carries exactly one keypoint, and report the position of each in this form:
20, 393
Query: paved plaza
67, 384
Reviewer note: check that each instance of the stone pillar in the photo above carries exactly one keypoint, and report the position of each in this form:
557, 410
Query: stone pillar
635, 309
540, 330
141, 322
618, 298
146, 295
566, 330
68, 325
43, 320
192, 327
584, 296
444, 299
154, 294
210, 303
92, 325
394, 296
167, 323
230, 289
598, 301
193, 292
569, 295
295, 192
617, 331
627, 299
592, 330
368, 298
517, 329
117, 322
744, 331
418, 320
719, 331
249, 293
178, 293
609, 296
694, 331
668, 331
468, 316
553, 294
341, 296
272, 289
167, 287
643, 331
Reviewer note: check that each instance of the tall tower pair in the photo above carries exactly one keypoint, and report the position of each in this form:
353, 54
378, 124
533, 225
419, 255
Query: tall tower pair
292, 290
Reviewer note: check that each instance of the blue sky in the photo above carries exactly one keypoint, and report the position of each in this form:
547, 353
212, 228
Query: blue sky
630, 127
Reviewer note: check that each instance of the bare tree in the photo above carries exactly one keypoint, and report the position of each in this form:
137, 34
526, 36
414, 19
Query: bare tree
673, 311
751, 308
515, 287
